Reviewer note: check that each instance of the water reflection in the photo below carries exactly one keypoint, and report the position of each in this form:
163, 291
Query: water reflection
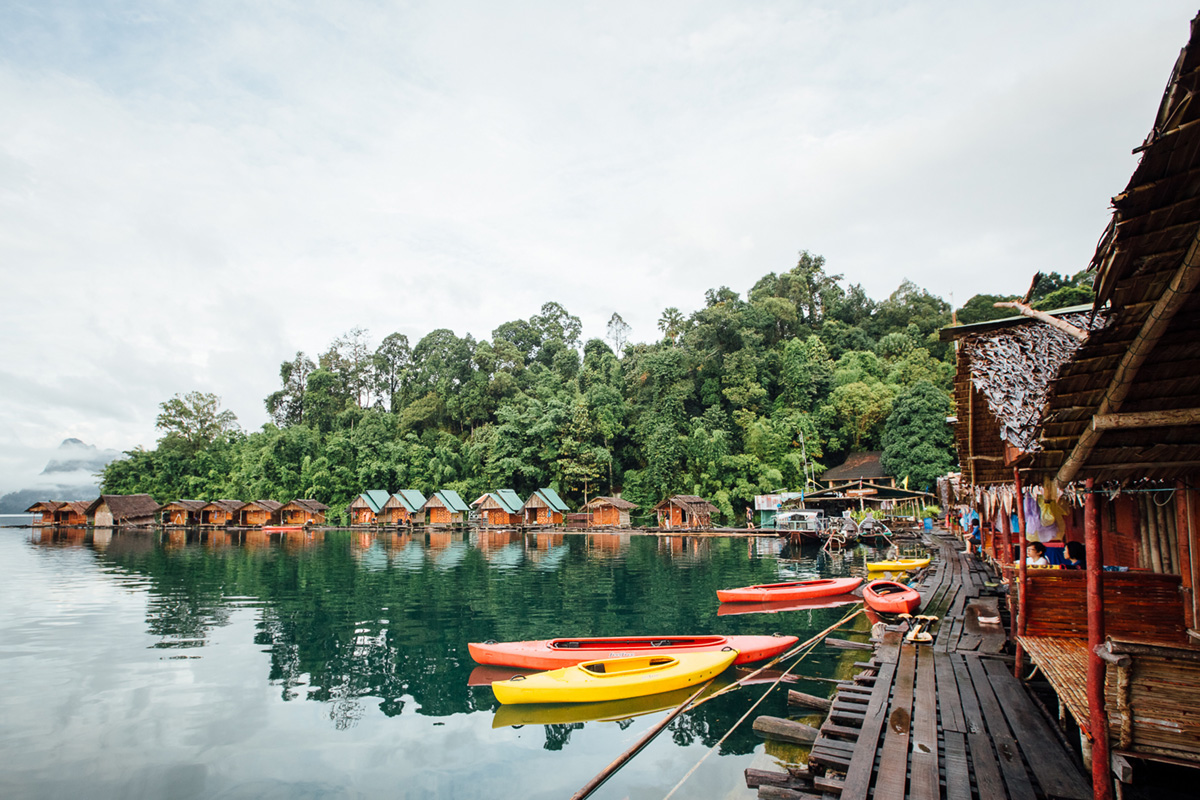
373, 626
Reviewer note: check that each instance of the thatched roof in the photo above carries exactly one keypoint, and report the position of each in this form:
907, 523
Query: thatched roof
186, 505
615, 502
315, 506
858, 467
1126, 405
688, 502
230, 506
265, 505
43, 506
126, 506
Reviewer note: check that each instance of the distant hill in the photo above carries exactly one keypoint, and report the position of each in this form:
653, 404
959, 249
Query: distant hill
70, 474
76, 456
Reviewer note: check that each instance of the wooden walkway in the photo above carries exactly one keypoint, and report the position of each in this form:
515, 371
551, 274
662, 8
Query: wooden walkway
940, 720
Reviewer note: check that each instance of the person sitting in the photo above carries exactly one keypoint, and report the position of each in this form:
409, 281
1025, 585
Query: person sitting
1076, 556
973, 538
1036, 556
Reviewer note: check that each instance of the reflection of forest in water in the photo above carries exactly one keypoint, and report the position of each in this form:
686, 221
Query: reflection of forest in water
361, 620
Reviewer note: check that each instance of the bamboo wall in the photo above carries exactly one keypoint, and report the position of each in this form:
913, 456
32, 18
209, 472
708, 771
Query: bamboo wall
1137, 605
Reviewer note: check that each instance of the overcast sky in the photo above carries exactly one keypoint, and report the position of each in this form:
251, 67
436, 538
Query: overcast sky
192, 192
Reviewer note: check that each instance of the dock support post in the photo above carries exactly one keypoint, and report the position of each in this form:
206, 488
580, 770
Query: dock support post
1102, 785
1021, 572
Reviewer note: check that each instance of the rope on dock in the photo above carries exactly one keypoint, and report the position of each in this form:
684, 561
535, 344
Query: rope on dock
811, 645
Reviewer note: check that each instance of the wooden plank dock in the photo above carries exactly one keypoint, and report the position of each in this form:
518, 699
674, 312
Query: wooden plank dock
945, 719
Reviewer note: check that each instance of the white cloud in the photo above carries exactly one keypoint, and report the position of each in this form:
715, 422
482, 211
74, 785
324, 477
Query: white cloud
190, 194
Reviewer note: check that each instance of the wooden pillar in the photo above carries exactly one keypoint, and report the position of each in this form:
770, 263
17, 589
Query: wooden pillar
1021, 572
1005, 538
1098, 719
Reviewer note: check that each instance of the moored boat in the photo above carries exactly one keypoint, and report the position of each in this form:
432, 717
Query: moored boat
605, 711
789, 590
555, 653
774, 607
890, 597
615, 678
898, 564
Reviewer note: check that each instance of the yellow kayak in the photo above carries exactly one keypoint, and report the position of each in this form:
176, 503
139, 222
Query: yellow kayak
607, 711
614, 678
898, 564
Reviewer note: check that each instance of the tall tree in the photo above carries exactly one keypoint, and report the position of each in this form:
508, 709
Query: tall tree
195, 418
917, 442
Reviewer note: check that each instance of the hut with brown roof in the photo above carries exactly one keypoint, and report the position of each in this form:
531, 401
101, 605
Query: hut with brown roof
46, 508
608, 512
303, 512
863, 467
72, 513
180, 512
118, 510
685, 511
220, 512
257, 513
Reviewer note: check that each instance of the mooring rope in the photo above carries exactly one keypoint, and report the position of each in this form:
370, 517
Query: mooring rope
811, 645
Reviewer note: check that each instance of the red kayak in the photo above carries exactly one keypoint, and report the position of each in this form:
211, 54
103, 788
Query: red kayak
807, 604
889, 597
792, 590
555, 653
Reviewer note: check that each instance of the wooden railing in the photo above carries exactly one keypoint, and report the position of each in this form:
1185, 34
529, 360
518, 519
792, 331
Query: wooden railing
1138, 606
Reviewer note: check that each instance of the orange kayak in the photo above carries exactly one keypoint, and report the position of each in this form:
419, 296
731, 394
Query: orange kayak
806, 604
555, 653
791, 590
889, 597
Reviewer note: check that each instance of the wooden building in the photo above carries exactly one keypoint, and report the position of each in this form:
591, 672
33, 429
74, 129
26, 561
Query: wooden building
1118, 445
220, 512
502, 507
608, 512
685, 511
545, 507
46, 509
403, 508
445, 507
864, 467
181, 513
258, 513
119, 510
72, 514
303, 512
366, 508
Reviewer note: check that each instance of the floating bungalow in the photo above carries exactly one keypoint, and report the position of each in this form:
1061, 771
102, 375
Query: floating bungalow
303, 512
220, 512
72, 513
1111, 459
865, 467
257, 513
502, 507
119, 510
366, 508
608, 512
545, 507
766, 506
403, 507
46, 509
685, 511
445, 507
181, 512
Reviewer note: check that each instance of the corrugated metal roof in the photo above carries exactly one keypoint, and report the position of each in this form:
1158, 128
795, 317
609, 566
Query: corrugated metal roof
509, 500
553, 500
410, 499
452, 501
375, 498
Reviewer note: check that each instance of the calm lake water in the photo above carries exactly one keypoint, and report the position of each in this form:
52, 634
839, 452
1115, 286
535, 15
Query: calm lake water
335, 665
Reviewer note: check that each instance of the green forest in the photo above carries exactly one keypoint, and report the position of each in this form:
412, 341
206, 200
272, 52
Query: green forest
743, 397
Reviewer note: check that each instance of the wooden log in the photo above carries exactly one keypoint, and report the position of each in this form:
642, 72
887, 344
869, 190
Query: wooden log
780, 793
1164, 538
808, 700
1147, 419
1152, 527
762, 777
846, 644
785, 730
828, 783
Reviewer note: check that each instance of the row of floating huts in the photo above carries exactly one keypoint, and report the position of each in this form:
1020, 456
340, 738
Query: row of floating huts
374, 508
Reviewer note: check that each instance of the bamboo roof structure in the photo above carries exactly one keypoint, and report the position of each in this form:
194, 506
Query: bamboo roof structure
1127, 405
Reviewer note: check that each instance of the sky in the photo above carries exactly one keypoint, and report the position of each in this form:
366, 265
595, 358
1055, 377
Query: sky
190, 193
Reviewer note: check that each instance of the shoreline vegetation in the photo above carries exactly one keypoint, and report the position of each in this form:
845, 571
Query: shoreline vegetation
743, 397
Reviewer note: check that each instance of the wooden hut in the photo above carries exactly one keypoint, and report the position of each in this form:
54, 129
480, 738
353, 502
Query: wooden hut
866, 467
403, 507
608, 512
365, 509
445, 507
118, 510
1123, 414
72, 513
685, 511
258, 513
544, 507
180, 512
502, 507
220, 512
303, 512
46, 509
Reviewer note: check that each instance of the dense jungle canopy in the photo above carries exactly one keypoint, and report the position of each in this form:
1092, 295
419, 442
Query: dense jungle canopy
742, 397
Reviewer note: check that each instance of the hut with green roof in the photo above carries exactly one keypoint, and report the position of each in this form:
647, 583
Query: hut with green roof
545, 507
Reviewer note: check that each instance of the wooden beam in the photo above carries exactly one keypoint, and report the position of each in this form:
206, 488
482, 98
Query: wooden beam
1042, 316
1147, 419
1177, 293
1098, 718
